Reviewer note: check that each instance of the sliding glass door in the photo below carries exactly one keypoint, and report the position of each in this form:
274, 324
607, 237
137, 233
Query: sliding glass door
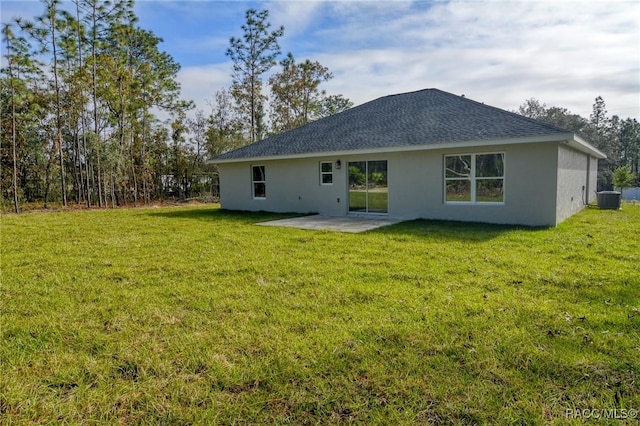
368, 189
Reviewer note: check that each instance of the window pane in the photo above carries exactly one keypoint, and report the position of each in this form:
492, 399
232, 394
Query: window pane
327, 178
377, 177
326, 167
490, 191
357, 186
357, 174
258, 173
490, 165
259, 190
458, 166
458, 190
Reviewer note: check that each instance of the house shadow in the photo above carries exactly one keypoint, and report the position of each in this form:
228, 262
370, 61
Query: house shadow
442, 230
215, 213
448, 230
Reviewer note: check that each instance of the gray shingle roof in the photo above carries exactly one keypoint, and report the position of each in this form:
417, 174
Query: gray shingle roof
425, 117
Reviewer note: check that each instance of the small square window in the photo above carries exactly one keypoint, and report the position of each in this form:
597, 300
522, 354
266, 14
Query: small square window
326, 173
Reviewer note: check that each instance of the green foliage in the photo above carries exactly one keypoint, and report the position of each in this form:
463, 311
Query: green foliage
224, 126
296, 97
357, 176
624, 178
333, 104
618, 139
253, 55
84, 81
195, 315
378, 178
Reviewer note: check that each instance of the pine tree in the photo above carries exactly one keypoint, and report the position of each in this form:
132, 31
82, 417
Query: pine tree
253, 55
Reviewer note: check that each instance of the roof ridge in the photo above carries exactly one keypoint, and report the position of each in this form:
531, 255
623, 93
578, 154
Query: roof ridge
511, 113
482, 104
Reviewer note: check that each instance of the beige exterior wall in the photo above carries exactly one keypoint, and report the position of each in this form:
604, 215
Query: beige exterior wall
291, 186
529, 187
593, 181
577, 175
534, 184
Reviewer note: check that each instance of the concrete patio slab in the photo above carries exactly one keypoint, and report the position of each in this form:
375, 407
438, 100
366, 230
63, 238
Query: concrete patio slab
352, 224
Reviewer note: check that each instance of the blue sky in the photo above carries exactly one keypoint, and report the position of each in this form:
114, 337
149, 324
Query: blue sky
564, 53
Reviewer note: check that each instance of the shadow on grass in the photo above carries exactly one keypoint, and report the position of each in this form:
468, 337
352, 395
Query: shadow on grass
214, 213
451, 230
437, 229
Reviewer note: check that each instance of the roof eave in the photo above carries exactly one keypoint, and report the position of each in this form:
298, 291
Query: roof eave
576, 142
572, 139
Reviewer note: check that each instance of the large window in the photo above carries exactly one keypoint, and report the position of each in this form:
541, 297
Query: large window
474, 178
368, 186
258, 182
326, 173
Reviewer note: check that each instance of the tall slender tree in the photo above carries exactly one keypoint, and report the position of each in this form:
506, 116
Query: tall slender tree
100, 17
51, 19
46, 32
89, 115
253, 55
16, 48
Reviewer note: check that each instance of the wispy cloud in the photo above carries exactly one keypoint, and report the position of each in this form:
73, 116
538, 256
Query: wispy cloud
199, 83
565, 53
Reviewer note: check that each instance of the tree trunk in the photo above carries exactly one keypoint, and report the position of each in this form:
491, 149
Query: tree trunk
47, 178
133, 175
99, 182
77, 170
113, 192
83, 124
63, 187
253, 110
16, 205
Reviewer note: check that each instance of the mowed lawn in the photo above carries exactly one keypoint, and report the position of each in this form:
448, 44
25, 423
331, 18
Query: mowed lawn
194, 315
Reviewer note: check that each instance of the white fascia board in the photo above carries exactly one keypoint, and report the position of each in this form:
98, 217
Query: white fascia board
561, 137
583, 146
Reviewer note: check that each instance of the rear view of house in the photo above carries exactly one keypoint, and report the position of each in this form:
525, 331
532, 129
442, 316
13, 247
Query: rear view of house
426, 154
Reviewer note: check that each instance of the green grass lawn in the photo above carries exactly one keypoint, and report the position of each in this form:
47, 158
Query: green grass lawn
193, 315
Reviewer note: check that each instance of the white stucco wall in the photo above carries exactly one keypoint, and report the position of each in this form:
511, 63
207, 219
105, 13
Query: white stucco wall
529, 189
593, 181
416, 186
291, 186
574, 182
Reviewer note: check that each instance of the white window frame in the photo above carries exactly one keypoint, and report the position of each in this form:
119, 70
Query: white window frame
263, 181
323, 173
473, 179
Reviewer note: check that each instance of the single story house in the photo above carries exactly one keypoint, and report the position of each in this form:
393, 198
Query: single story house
425, 154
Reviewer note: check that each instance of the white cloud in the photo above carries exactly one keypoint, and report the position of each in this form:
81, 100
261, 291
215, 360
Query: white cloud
564, 54
296, 17
199, 83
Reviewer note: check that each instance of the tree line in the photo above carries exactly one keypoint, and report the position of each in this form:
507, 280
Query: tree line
83, 87
81, 93
617, 138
